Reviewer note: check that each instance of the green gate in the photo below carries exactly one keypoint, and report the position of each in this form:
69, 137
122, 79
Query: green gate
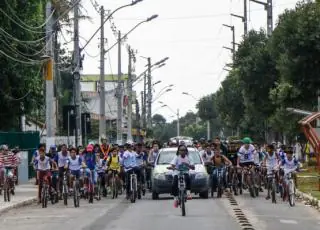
27, 141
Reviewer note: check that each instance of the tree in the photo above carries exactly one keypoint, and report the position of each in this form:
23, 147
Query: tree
257, 76
158, 119
229, 101
21, 44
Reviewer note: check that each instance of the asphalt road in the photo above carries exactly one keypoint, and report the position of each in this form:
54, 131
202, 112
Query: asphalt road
147, 214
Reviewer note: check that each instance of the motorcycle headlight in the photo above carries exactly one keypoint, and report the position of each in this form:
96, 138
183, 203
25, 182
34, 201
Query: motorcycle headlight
200, 176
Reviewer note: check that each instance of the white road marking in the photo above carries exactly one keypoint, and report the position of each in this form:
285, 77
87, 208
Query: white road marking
288, 221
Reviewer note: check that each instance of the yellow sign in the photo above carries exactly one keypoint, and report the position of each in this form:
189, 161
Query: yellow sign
49, 70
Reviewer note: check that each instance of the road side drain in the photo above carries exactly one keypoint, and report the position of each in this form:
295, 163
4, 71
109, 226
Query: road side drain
240, 216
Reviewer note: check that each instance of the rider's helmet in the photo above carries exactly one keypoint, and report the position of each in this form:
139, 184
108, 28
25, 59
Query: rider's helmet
246, 140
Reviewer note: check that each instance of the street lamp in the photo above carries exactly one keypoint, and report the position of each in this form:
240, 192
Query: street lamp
160, 94
110, 15
208, 122
157, 82
137, 25
178, 118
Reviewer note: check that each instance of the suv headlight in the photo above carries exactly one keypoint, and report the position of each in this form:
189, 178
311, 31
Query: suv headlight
159, 176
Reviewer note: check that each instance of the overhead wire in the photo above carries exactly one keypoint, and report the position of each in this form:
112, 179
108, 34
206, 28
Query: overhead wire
30, 62
26, 25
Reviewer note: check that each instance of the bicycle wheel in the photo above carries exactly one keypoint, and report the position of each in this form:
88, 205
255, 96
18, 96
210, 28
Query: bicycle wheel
235, 183
273, 191
5, 194
44, 199
65, 193
75, 195
219, 186
114, 187
133, 192
99, 188
182, 204
291, 193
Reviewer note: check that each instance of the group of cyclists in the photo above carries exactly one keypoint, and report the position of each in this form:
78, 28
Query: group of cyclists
252, 166
95, 164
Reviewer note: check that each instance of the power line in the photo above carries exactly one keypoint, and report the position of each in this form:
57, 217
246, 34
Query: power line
26, 26
21, 41
204, 16
30, 62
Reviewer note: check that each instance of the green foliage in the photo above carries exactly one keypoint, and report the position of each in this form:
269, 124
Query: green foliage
20, 63
269, 75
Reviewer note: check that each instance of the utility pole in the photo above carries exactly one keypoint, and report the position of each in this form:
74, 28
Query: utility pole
149, 118
129, 133
102, 120
233, 49
268, 8
244, 18
76, 75
50, 120
178, 123
119, 94
144, 101
142, 104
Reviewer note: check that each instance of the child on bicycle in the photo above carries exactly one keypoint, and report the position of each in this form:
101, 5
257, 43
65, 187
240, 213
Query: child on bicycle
113, 163
271, 163
74, 164
219, 161
90, 159
290, 164
181, 160
42, 164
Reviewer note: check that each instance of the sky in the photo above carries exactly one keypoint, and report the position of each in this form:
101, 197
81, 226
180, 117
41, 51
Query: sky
189, 32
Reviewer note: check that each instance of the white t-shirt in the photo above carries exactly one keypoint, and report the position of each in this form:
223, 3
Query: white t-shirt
178, 160
246, 155
43, 165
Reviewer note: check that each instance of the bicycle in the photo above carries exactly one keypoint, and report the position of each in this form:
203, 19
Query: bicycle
65, 187
182, 197
91, 186
76, 193
220, 181
290, 187
45, 192
114, 184
133, 186
272, 185
7, 186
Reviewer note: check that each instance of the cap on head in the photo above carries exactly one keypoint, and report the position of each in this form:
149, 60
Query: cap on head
247, 140
89, 148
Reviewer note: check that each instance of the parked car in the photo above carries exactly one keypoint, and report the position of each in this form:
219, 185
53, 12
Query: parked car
162, 177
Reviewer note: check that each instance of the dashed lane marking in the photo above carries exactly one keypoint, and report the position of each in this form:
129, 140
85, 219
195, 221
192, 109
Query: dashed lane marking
288, 221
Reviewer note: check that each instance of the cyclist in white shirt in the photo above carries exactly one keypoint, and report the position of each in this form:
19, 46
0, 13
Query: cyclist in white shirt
180, 160
246, 153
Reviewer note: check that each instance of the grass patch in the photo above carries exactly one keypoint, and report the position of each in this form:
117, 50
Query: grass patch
308, 182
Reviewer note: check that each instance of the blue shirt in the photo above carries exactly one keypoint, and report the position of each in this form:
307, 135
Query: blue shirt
140, 158
90, 160
129, 160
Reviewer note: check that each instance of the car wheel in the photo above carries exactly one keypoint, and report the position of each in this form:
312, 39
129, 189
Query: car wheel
204, 195
155, 196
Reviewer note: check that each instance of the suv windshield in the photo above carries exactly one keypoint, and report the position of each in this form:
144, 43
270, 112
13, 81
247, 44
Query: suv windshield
166, 157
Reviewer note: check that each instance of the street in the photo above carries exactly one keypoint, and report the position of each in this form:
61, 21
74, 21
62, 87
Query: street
148, 214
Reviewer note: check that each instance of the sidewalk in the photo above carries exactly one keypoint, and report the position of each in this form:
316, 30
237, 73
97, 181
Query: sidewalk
25, 194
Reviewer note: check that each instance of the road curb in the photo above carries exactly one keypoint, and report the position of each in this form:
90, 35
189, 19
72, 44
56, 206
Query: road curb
18, 205
309, 199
